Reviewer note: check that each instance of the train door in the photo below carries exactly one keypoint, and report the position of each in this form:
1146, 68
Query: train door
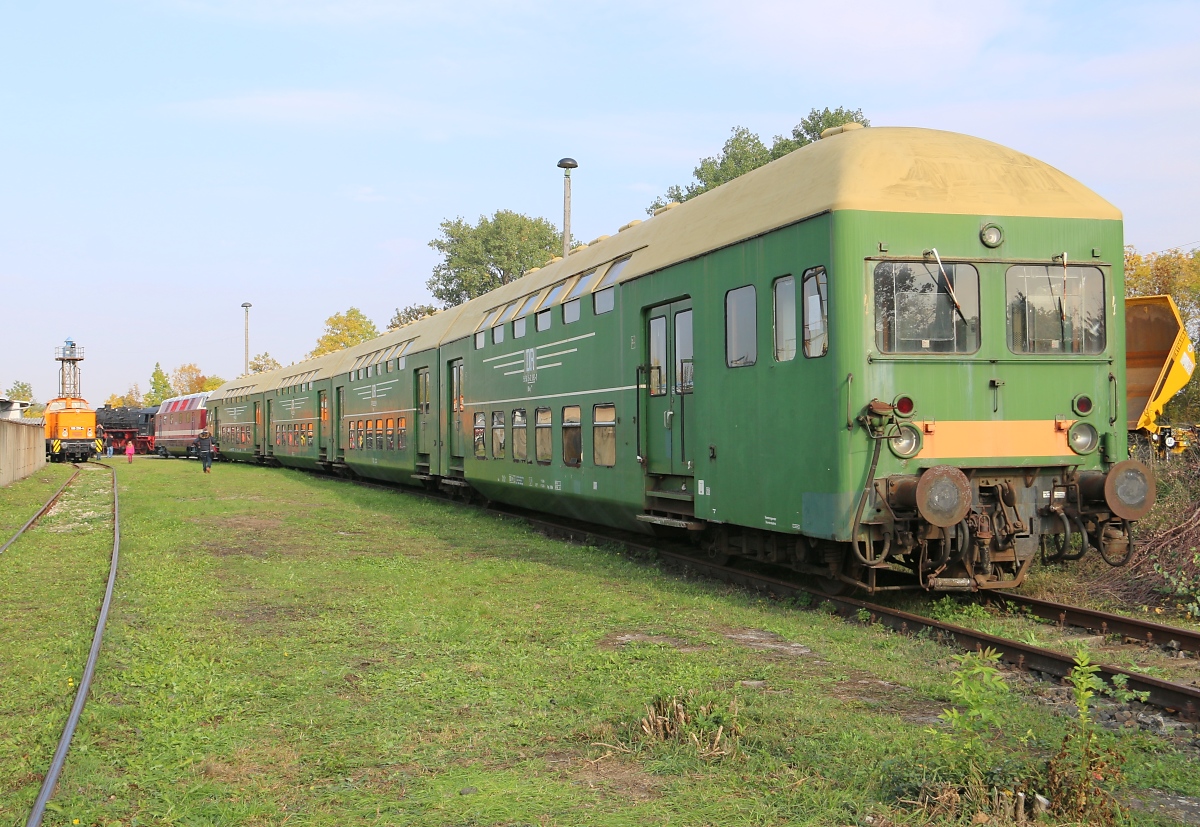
455, 410
667, 384
425, 440
323, 424
258, 428
268, 441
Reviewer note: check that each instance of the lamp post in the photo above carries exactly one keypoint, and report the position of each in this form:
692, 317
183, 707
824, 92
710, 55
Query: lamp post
246, 306
566, 165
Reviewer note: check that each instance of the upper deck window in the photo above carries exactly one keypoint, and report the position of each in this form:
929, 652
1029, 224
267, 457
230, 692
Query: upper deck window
926, 307
1055, 309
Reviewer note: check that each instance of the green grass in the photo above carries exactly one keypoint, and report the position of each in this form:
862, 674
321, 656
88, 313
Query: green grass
286, 648
22, 499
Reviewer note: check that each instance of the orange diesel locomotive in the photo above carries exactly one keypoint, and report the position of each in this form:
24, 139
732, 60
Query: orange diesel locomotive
70, 421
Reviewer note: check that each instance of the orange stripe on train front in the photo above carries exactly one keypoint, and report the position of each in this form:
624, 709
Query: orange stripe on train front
995, 438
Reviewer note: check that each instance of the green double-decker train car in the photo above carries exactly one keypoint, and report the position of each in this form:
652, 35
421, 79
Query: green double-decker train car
891, 359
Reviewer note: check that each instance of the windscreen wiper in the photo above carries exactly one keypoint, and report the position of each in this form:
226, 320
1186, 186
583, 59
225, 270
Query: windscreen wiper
946, 279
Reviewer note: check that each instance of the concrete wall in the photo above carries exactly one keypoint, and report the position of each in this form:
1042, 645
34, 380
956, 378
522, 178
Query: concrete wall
22, 449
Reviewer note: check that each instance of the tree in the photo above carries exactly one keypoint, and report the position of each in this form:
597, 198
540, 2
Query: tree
744, 151
480, 257
410, 314
24, 392
20, 390
211, 383
187, 379
343, 330
132, 398
263, 363
160, 387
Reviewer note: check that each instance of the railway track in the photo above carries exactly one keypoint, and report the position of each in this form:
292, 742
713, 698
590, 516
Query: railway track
41, 512
1104, 623
1176, 698
64, 743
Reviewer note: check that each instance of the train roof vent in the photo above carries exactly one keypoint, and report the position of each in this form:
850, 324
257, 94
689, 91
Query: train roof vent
666, 207
632, 223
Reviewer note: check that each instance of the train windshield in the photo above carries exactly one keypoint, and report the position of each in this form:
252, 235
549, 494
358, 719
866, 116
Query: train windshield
1055, 309
926, 307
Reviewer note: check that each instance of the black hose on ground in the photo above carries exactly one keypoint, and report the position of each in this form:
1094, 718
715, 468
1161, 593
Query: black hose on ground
85, 682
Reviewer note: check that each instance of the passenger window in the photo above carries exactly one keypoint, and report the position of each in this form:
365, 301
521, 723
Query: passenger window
552, 296
657, 378
816, 313
310, 433
604, 435
684, 364
520, 443
480, 435
581, 286
480, 339
402, 433
542, 320
926, 307
572, 304
519, 329
497, 334
498, 434
603, 300
362, 433
741, 327
391, 434
1055, 309
785, 319
544, 433
572, 436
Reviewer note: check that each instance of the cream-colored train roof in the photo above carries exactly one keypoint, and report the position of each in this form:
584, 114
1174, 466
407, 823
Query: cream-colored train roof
885, 169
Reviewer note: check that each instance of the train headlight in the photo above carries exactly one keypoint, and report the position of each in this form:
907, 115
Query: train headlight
907, 442
1083, 438
991, 235
1129, 489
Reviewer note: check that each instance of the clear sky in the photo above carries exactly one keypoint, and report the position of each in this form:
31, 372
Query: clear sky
163, 161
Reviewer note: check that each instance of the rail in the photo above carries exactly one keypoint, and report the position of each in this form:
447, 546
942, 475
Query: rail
41, 512
1104, 623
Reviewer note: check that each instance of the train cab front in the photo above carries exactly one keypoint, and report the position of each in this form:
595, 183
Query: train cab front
996, 432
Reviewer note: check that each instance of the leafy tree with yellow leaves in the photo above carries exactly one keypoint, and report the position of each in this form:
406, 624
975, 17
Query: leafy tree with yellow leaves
343, 330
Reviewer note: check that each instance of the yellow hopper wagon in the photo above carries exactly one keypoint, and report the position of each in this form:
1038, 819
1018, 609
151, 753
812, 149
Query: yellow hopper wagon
1159, 361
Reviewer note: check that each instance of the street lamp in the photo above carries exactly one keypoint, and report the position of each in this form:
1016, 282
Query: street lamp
566, 165
246, 306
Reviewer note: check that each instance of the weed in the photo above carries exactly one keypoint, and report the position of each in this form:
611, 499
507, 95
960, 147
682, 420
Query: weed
1183, 584
863, 615
1080, 772
1120, 692
948, 610
977, 686
711, 727
802, 600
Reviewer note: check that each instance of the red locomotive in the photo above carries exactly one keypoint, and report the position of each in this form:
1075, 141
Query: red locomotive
178, 423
